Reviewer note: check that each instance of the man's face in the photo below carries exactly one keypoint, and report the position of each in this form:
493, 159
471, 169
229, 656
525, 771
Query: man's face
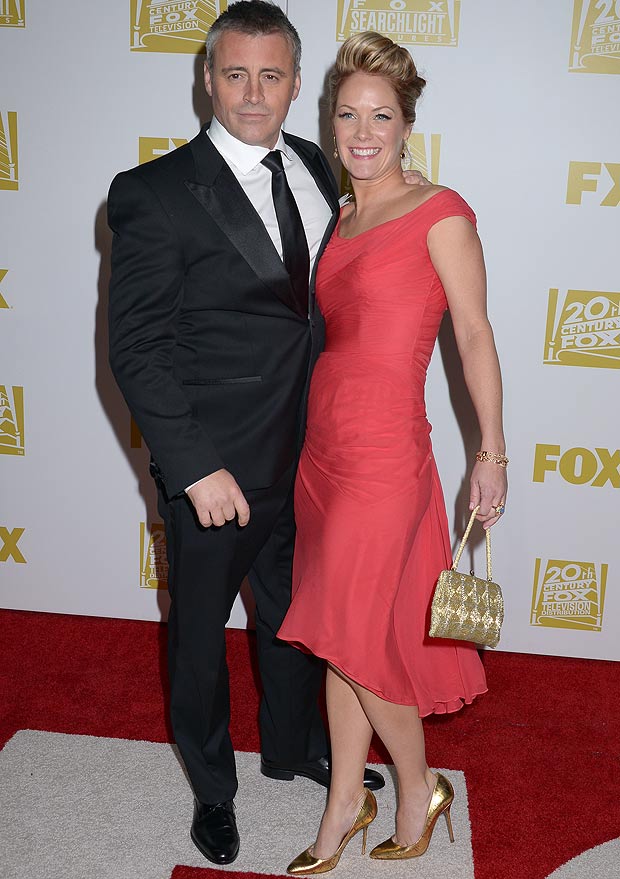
252, 85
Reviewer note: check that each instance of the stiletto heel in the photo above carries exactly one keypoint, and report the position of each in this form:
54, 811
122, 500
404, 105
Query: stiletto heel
441, 801
449, 823
307, 863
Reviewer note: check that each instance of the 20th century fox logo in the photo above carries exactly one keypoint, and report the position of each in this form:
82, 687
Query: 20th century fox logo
583, 329
178, 26
427, 22
595, 38
11, 420
9, 168
153, 560
568, 595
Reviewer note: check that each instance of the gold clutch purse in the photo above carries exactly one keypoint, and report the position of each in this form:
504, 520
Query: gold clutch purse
466, 607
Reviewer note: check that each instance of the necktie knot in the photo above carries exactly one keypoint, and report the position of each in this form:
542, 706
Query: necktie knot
273, 161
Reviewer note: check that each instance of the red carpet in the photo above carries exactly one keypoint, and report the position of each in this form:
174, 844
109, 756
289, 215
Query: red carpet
198, 873
541, 751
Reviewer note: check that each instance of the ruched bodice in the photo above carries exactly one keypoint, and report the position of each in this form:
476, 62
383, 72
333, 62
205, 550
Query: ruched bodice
376, 305
372, 529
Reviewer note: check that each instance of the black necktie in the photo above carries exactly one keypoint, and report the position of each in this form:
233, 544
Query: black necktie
294, 242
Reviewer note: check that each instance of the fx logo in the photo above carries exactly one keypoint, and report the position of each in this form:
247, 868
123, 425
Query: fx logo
3, 302
584, 177
150, 148
8, 545
578, 466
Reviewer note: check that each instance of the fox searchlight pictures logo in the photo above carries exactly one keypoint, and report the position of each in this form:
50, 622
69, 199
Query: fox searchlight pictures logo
418, 22
178, 26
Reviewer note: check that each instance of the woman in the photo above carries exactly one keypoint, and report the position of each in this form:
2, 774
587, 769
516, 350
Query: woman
372, 527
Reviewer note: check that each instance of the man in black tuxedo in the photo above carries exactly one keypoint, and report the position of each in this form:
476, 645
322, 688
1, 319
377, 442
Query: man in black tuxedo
212, 342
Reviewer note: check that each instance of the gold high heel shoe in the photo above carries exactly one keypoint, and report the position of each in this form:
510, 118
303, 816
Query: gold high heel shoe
441, 800
307, 863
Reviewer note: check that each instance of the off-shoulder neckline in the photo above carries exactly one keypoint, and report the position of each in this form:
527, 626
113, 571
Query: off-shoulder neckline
340, 237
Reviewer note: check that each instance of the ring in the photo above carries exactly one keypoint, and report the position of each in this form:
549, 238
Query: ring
499, 509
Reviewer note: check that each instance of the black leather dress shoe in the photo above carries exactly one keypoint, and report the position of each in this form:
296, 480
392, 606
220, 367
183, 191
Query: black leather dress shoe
316, 770
214, 831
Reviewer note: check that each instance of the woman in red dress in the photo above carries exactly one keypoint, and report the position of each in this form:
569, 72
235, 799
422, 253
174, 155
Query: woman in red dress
372, 528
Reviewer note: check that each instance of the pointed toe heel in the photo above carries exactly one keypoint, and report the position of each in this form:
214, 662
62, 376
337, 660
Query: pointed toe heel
307, 864
440, 804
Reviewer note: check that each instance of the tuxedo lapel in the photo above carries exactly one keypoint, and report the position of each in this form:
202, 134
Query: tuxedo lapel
314, 164
217, 190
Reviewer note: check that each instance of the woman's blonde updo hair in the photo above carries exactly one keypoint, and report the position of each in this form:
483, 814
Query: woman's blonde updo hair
377, 55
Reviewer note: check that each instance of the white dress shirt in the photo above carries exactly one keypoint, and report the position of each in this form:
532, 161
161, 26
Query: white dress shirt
244, 160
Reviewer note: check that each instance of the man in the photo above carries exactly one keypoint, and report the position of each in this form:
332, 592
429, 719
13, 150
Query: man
212, 341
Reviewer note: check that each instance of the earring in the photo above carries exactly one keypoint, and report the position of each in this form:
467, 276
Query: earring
336, 154
405, 155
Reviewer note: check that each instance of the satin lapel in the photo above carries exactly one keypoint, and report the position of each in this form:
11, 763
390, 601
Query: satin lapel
219, 193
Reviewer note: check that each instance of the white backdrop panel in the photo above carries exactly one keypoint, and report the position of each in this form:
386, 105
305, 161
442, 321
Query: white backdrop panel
519, 135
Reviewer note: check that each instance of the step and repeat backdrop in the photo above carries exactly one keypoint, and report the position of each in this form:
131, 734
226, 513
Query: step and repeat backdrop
520, 116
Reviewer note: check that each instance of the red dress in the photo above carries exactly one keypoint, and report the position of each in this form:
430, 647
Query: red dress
372, 531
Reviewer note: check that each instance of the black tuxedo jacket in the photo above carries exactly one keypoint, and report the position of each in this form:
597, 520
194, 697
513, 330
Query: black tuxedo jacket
207, 343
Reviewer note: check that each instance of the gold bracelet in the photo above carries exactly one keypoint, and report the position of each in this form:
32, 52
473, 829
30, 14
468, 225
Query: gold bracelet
502, 460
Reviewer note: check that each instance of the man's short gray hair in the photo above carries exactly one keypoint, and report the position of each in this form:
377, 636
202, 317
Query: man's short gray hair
255, 18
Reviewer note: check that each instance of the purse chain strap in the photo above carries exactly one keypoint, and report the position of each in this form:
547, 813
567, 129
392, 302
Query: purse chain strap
459, 553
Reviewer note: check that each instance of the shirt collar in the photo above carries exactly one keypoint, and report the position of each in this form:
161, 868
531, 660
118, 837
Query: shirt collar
244, 156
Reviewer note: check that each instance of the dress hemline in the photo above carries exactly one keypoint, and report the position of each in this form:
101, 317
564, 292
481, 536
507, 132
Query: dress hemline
440, 707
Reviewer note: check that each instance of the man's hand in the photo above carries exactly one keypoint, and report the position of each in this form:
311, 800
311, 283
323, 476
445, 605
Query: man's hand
218, 499
416, 178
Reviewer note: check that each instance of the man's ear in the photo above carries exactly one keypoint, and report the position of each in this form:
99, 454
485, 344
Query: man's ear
296, 85
207, 78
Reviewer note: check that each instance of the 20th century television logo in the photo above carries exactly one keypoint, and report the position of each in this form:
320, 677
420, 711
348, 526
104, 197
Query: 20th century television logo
595, 37
178, 26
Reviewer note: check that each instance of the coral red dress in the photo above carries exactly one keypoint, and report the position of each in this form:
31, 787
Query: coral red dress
372, 531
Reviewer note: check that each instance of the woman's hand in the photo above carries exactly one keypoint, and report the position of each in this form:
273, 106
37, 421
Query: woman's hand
489, 485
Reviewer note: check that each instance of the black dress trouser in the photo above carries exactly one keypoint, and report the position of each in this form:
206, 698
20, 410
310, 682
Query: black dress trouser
207, 566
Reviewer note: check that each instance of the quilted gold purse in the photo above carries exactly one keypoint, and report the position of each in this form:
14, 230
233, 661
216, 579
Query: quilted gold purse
466, 607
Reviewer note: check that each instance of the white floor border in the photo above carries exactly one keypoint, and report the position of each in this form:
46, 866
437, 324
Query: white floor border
81, 807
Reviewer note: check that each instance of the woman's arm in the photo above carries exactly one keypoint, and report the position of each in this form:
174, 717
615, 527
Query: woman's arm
456, 253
